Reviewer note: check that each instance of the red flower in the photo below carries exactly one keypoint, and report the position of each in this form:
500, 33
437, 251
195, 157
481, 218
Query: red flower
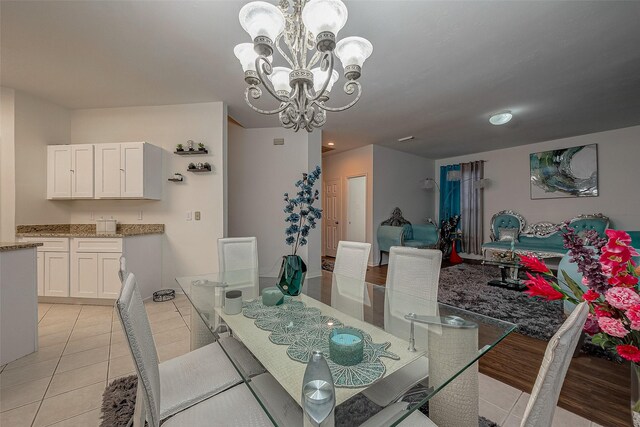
613, 261
534, 264
590, 295
602, 310
619, 242
623, 279
539, 287
629, 352
591, 326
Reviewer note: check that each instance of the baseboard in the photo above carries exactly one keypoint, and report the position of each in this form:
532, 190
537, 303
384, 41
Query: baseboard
77, 301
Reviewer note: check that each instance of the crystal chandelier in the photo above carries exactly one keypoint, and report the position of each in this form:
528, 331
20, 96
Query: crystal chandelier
308, 29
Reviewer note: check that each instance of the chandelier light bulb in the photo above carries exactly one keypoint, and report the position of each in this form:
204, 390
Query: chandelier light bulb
261, 19
352, 52
247, 56
325, 16
319, 77
280, 79
501, 118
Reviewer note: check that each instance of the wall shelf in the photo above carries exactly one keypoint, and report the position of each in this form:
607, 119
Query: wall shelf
175, 179
196, 170
190, 153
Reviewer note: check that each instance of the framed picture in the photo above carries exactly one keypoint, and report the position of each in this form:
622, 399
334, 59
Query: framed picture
568, 172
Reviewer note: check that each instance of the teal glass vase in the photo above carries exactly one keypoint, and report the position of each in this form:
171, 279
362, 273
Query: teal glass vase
292, 273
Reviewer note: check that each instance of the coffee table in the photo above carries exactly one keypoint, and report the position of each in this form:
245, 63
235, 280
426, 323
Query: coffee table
509, 273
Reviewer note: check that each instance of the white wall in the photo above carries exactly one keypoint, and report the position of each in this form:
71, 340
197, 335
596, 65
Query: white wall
351, 163
259, 174
38, 123
7, 165
619, 174
189, 247
398, 183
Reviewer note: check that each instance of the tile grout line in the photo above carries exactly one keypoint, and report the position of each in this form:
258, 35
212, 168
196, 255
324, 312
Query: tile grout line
56, 368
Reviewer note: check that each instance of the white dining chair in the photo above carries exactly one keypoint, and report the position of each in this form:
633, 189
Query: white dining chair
412, 272
555, 364
178, 383
349, 293
237, 253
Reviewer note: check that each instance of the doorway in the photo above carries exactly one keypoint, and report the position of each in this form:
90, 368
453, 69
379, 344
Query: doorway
331, 217
356, 209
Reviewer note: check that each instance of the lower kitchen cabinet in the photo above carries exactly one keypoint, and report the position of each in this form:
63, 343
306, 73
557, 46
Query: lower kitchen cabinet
56, 274
108, 280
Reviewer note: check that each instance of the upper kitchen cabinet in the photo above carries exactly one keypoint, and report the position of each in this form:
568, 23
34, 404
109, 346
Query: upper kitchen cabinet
129, 170
70, 172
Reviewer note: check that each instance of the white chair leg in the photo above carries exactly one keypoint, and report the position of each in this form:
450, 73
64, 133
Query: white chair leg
457, 404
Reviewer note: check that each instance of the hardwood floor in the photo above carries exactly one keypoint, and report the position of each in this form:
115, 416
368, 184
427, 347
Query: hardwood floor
594, 388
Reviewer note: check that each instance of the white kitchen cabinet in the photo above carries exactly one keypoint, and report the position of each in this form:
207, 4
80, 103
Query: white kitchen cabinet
95, 263
56, 274
108, 280
84, 275
70, 171
129, 170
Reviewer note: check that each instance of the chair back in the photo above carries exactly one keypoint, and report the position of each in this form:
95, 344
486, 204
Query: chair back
412, 272
137, 330
352, 259
349, 293
237, 253
557, 357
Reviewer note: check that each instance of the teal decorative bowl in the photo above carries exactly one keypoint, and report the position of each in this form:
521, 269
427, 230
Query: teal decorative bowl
346, 346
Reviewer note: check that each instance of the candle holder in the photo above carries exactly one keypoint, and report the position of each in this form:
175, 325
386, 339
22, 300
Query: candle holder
346, 346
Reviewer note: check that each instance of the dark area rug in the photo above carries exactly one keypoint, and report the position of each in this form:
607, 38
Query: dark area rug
119, 401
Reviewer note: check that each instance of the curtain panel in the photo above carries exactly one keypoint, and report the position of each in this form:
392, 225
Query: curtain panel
449, 192
471, 206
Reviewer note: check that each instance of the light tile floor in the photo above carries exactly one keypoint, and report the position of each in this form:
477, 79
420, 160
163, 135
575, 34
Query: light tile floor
82, 348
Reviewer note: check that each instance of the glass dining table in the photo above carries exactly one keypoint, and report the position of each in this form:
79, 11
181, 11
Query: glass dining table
418, 356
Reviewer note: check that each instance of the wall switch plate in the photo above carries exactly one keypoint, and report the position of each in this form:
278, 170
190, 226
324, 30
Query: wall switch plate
92, 216
197, 215
139, 215
278, 141
188, 215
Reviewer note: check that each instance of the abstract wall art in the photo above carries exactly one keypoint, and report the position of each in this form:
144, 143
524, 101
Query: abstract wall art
567, 172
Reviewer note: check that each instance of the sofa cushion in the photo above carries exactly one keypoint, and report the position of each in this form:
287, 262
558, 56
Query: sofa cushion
505, 220
508, 234
407, 232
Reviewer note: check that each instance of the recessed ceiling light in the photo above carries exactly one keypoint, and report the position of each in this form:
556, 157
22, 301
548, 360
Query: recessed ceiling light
331, 144
406, 138
500, 118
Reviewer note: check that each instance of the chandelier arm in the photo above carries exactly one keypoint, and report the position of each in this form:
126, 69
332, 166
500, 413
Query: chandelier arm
266, 69
314, 59
349, 89
282, 52
255, 94
328, 56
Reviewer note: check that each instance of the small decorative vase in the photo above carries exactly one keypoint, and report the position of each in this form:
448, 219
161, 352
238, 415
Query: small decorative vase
635, 394
292, 273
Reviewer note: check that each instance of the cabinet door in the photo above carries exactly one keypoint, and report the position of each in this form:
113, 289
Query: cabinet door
56, 274
82, 171
84, 275
108, 171
58, 172
108, 279
40, 273
132, 163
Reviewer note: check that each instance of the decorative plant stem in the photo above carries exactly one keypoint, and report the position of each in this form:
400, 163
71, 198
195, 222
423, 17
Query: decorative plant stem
301, 214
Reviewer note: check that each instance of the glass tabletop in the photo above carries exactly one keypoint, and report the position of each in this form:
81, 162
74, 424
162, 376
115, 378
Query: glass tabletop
398, 341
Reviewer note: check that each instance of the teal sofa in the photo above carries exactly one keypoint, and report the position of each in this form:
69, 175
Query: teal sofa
415, 236
542, 239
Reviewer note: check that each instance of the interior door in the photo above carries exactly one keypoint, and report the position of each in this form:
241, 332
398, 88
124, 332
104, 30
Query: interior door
356, 209
331, 217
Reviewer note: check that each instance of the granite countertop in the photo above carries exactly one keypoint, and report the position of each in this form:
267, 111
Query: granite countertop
86, 230
13, 246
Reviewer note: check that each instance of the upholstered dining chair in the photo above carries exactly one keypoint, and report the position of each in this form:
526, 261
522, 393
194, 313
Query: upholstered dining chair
237, 253
349, 292
412, 272
555, 364
172, 386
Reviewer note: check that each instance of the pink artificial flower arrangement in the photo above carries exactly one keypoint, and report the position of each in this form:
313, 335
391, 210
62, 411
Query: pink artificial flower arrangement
611, 278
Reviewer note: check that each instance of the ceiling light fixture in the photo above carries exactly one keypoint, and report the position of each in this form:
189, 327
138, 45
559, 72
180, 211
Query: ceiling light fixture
406, 138
501, 118
302, 90
331, 144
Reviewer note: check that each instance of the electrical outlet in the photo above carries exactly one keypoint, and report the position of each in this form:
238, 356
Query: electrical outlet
197, 215
188, 215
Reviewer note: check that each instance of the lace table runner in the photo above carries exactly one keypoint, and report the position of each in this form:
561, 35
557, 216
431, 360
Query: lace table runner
305, 329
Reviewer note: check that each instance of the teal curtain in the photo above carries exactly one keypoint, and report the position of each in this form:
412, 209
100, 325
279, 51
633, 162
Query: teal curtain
449, 193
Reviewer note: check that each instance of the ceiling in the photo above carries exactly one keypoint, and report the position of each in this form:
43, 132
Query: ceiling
438, 69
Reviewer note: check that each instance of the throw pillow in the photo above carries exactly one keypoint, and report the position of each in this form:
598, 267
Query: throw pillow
508, 234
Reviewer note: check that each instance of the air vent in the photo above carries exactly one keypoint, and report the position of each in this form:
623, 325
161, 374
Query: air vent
278, 141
